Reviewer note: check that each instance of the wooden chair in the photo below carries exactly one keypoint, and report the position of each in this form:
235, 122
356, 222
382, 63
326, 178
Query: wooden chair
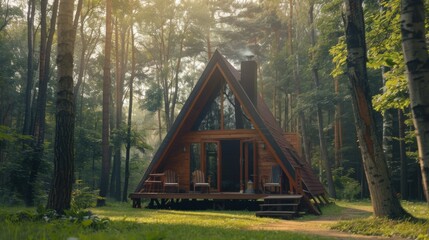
273, 181
199, 180
170, 180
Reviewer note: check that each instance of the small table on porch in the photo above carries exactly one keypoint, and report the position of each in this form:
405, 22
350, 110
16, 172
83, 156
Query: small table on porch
154, 182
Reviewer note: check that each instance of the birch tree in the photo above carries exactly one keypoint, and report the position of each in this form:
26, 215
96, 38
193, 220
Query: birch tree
383, 197
417, 65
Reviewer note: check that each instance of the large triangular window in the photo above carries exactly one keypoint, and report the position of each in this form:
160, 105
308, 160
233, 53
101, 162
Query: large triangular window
222, 111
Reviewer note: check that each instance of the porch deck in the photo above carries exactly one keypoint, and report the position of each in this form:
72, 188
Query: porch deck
163, 199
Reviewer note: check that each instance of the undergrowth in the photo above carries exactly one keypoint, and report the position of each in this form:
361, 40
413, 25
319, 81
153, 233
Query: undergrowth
120, 221
374, 226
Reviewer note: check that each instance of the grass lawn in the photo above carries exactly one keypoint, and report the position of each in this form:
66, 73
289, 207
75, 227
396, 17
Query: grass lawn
128, 223
369, 225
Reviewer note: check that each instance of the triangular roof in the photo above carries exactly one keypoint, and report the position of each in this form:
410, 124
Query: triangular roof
263, 120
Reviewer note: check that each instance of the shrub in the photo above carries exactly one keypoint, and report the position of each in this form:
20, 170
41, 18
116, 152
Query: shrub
347, 187
85, 219
82, 196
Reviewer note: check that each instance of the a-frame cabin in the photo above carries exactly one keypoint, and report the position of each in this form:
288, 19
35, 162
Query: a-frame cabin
227, 131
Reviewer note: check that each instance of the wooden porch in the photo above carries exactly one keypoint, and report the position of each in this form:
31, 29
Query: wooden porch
221, 201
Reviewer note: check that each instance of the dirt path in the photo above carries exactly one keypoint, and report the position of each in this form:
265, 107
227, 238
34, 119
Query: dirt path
321, 225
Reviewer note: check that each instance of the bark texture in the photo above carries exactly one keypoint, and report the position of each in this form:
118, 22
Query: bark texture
130, 111
383, 198
322, 142
105, 165
40, 111
417, 64
60, 194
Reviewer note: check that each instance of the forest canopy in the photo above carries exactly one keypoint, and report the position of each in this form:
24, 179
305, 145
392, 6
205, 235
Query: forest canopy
157, 51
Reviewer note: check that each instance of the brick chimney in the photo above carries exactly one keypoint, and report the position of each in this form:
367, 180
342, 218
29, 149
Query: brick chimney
248, 79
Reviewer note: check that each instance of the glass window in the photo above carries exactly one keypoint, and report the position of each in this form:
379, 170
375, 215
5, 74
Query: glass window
234, 117
195, 157
211, 164
210, 116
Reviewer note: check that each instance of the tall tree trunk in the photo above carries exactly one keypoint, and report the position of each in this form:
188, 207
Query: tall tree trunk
60, 194
30, 67
288, 104
387, 142
105, 165
130, 112
322, 142
403, 155
209, 43
115, 187
383, 197
81, 68
176, 76
114, 117
159, 114
417, 61
39, 123
301, 118
159, 125
338, 131
274, 107
119, 105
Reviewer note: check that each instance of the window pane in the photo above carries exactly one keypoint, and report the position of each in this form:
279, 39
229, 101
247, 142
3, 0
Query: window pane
211, 164
209, 118
234, 117
195, 152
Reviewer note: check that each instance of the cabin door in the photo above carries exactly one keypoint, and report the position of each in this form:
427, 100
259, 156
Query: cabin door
210, 165
230, 171
248, 172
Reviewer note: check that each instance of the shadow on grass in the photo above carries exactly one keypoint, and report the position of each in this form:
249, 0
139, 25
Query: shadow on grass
131, 230
417, 228
340, 211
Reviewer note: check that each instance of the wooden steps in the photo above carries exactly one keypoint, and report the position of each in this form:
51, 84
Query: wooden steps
280, 206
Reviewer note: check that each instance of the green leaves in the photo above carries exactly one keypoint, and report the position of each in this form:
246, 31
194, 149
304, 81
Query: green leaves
384, 50
339, 54
9, 135
153, 98
395, 94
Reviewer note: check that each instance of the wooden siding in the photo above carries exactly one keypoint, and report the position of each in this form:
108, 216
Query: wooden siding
178, 159
174, 150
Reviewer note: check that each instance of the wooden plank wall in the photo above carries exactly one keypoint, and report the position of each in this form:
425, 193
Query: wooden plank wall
178, 159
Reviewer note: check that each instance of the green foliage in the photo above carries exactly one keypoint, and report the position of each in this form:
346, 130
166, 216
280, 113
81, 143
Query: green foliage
395, 94
385, 227
128, 223
16, 150
153, 98
324, 97
83, 219
339, 57
347, 187
140, 143
409, 229
10, 135
82, 196
86, 219
384, 50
